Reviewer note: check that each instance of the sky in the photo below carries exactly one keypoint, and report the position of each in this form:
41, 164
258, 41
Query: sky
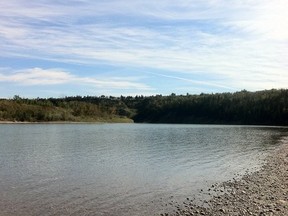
58, 48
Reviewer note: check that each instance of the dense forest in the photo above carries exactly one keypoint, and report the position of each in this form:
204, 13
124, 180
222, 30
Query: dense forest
269, 107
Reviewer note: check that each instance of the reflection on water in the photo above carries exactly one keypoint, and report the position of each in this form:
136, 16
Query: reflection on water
119, 169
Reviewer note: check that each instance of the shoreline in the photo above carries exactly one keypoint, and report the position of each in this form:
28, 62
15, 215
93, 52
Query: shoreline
264, 192
66, 122
52, 122
129, 121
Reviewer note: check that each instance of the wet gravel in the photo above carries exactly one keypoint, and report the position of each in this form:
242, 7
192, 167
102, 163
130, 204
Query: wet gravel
264, 192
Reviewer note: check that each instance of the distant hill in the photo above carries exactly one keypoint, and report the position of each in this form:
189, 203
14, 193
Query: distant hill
268, 107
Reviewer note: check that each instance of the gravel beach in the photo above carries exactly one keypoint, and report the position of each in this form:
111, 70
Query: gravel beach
264, 192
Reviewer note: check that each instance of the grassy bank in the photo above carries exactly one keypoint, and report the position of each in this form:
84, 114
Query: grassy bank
42, 110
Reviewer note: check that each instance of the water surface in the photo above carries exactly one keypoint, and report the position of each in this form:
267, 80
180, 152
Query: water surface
120, 169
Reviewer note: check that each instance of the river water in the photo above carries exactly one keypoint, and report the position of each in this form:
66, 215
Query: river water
120, 169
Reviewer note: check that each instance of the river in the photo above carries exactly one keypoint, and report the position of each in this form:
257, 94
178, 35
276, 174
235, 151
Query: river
121, 169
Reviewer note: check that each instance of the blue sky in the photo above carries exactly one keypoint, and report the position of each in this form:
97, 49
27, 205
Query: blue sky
56, 48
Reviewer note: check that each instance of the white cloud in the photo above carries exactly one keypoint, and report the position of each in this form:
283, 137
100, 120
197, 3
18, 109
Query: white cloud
39, 76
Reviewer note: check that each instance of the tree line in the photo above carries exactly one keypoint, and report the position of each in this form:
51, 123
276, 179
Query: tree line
74, 109
263, 107
268, 107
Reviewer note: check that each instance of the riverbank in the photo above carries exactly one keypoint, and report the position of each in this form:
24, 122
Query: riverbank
264, 192
102, 121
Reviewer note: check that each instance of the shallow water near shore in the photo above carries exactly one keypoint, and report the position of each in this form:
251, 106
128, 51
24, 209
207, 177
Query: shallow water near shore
121, 169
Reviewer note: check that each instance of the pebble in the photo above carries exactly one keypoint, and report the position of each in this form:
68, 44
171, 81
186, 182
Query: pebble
264, 192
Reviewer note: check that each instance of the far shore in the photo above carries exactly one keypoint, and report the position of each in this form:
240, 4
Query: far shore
67, 122
49, 122
124, 121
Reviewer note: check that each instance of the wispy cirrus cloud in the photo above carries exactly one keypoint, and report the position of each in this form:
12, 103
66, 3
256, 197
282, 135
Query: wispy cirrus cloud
241, 44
